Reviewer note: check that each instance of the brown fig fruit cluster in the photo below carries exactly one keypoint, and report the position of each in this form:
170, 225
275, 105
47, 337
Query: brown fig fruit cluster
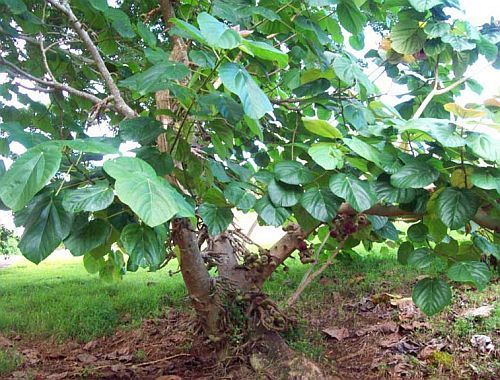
256, 260
305, 253
344, 225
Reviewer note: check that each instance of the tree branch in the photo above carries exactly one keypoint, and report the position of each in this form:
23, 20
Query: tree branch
120, 104
290, 241
19, 73
435, 91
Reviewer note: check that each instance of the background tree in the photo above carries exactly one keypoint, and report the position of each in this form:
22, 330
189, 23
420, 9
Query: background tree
249, 106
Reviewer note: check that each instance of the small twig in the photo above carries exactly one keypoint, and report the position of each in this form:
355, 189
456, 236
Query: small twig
145, 364
310, 275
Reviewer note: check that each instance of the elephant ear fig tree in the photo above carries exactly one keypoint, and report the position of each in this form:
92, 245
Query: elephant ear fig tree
146, 124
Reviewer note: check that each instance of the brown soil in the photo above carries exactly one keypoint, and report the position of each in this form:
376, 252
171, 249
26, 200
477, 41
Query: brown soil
378, 336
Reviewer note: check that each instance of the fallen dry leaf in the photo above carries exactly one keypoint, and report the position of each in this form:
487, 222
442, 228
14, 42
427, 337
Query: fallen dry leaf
86, 358
482, 343
337, 333
90, 345
410, 326
480, 312
4, 342
406, 347
428, 351
387, 327
57, 376
390, 340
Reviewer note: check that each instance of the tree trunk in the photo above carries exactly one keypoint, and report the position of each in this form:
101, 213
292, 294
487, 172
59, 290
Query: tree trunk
196, 277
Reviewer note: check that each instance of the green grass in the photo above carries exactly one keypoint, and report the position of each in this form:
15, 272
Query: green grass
59, 298
10, 359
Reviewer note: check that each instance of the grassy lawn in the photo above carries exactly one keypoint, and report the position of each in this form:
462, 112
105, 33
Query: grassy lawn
59, 298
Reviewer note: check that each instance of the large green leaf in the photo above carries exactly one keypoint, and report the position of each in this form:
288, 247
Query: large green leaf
404, 252
326, 155
458, 43
321, 128
216, 33
89, 198
421, 258
358, 194
46, 224
487, 247
484, 146
414, 175
390, 194
16, 132
15, 6
141, 129
28, 175
437, 29
475, 272
216, 218
146, 34
369, 152
284, 195
349, 71
93, 145
125, 167
143, 246
455, 207
423, 5
431, 295
350, 17
120, 22
441, 130
269, 213
153, 199
156, 78
321, 203
239, 197
237, 80
87, 236
408, 37
188, 30
265, 51
293, 173
486, 178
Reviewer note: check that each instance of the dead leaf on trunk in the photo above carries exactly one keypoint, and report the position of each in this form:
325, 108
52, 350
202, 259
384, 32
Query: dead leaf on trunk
337, 333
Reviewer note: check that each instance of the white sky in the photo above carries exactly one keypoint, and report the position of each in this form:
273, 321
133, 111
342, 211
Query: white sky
477, 12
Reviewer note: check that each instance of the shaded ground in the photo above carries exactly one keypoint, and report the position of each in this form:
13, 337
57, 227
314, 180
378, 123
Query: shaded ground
356, 322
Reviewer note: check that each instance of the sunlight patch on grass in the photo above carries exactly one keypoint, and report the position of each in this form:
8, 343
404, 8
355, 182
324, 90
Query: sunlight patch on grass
59, 298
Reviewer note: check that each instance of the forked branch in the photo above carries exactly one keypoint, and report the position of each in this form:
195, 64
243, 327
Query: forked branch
120, 104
